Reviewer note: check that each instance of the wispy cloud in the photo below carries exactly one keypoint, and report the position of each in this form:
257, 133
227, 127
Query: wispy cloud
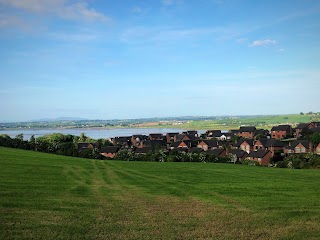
264, 42
65, 9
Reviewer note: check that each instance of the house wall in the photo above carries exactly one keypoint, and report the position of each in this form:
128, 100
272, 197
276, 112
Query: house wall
245, 147
263, 161
258, 145
203, 145
278, 134
301, 149
246, 134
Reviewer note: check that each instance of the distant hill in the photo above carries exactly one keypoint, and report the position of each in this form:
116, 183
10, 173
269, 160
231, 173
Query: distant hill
59, 119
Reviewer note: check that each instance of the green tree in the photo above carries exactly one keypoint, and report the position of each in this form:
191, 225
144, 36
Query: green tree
315, 138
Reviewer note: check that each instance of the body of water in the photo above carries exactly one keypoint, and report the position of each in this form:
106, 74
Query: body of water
91, 132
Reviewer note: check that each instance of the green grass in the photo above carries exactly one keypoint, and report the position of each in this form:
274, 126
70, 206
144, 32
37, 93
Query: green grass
54, 197
265, 122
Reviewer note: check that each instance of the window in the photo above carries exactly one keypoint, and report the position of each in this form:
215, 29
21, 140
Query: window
297, 150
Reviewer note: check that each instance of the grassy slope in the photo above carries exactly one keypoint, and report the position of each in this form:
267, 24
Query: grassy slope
54, 197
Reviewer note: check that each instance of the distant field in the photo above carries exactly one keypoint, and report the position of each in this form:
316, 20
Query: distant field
265, 122
55, 197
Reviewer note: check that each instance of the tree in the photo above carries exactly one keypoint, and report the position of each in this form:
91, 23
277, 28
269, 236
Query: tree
32, 142
315, 138
19, 137
82, 137
301, 113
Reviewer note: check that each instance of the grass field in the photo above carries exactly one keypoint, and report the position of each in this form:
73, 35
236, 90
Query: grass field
54, 197
264, 121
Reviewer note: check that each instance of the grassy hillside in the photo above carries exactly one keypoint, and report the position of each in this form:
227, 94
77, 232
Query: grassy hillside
54, 197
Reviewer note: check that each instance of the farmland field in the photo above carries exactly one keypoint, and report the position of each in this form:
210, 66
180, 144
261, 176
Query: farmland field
55, 197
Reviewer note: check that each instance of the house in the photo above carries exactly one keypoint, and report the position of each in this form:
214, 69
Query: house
219, 152
238, 154
261, 133
317, 149
303, 127
191, 132
246, 132
170, 137
155, 136
195, 150
269, 144
85, 145
213, 133
316, 124
245, 144
261, 156
143, 150
180, 137
225, 136
109, 152
298, 146
208, 144
315, 130
181, 144
122, 141
137, 139
281, 131
152, 143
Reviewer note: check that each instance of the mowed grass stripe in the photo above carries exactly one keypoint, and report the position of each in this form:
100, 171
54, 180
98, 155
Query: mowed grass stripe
55, 197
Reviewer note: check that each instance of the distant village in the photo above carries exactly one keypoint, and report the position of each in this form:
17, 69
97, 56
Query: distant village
247, 142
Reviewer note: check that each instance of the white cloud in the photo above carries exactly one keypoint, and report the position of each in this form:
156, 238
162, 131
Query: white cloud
61, 8
264, 42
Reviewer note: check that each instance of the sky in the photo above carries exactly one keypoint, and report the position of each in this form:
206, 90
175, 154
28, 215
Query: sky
106, 59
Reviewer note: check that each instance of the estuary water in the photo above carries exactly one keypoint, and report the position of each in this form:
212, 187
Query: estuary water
90, 132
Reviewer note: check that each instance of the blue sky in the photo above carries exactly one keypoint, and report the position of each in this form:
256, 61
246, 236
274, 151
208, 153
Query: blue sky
102, 59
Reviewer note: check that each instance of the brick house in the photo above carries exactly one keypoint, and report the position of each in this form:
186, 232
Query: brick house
246, 132
281, 131
261, 133
298, 146
269, 144
122, 141
208, 144
303, 127
156, 136
213, 133
109, 152
245, 144
137, 139
219, 152
180, 144
181, 137
143, 150
153, 144
170, 137
238, 154
195, 150
261, 156
316, 124
191, 132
